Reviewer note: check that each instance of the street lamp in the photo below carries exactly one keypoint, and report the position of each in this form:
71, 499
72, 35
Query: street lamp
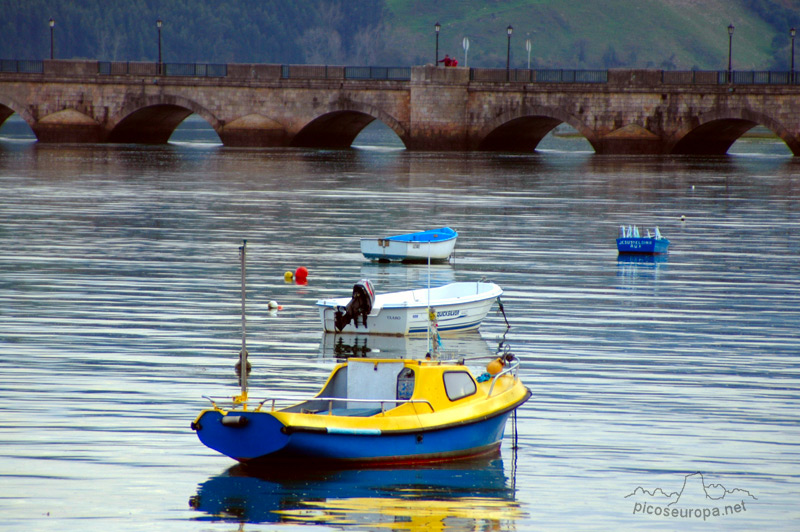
792, 33
158, 25
509, 30
730, 45
52, 27
437, 27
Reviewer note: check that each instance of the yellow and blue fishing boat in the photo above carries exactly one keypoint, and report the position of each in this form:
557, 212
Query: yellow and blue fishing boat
370, 411
374, 411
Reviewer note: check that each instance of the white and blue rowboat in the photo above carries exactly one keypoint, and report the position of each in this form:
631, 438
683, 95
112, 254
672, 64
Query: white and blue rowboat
434, 244
630, 241
460, 306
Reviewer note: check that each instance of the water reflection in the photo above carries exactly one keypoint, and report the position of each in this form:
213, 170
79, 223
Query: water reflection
467, 495
407, 276
467, 345
638, 269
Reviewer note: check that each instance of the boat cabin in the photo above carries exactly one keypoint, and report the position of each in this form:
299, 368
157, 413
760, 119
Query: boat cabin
395, 387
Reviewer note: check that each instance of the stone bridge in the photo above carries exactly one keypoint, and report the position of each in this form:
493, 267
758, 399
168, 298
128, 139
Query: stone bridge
430, 108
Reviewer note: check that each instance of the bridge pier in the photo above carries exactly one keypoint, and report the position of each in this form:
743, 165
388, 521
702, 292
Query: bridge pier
630, 140
439, 97
68, 126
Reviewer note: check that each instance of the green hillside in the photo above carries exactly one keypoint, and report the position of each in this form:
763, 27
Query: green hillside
668, 34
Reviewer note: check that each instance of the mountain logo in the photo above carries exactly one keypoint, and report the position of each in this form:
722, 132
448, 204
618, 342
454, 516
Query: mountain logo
696, 498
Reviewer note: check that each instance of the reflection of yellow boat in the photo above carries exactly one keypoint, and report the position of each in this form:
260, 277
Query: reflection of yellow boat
465, 495
476, 513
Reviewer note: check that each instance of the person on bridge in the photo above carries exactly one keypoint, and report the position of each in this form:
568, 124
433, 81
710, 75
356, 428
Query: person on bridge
447, 61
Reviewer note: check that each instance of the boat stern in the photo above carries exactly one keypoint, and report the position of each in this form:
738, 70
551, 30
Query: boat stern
241, 435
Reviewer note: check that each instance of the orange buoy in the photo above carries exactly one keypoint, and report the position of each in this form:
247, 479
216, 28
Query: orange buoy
495, 366
301, 275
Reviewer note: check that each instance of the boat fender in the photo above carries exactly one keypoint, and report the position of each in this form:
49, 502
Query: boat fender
196, 426
495, 366
235, 421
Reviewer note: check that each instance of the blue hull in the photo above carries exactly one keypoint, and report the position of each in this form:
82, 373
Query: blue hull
264, 439
642, 245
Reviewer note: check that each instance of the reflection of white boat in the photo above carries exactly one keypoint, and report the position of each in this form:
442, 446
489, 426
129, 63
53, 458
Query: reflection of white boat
457, 306
433, 244
468, 344
405, 275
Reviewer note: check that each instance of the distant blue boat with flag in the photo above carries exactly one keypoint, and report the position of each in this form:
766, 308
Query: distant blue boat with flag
631, 241
434, 244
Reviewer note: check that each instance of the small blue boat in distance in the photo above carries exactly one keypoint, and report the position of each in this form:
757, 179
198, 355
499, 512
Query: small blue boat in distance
630, 241
434, 244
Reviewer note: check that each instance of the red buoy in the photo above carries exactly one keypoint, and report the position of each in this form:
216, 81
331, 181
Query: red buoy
301, 275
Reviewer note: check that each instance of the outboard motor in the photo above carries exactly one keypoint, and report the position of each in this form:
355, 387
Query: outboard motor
360, 305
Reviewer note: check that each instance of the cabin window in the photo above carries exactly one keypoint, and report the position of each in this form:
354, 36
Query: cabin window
405, 384
458, 384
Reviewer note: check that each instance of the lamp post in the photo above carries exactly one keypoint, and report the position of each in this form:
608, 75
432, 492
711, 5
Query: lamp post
52, 28
158, 25
509, 30
730, 47
437, 27
792, 33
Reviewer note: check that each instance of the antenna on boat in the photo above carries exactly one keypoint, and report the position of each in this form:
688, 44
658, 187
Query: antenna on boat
430, 347
243, 365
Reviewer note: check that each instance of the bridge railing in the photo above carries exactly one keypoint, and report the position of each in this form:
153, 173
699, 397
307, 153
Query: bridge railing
538, 75
499, 75
723, 77
344, 72
22, 65
141, 68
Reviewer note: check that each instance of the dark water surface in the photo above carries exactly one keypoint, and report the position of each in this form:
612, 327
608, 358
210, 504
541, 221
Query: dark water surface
651, 379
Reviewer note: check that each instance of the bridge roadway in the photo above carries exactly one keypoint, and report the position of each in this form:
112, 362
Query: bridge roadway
432, 109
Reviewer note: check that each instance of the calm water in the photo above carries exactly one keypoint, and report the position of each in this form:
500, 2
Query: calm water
119, 309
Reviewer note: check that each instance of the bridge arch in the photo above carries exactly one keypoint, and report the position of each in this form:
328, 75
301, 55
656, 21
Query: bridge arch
717, 130
9, 106
340, 125
153, 119
522, 129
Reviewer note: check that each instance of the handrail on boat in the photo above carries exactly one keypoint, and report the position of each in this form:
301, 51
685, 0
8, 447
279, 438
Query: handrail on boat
513, 365
330, 400
381, 401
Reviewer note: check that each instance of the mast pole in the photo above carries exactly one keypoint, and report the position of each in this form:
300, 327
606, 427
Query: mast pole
243, 353
430, 343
